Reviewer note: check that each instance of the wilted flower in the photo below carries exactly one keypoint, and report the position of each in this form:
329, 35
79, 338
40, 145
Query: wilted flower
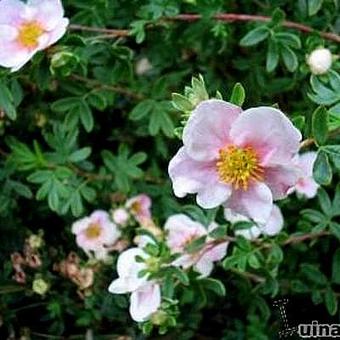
17, 261
40, 286
143, 66
26, 28
146, 296
306, 184
181, 232
120, 216
20, 276
272, 227
320, 61
84, 278
33, 260
140, 206
96, 233
242, 160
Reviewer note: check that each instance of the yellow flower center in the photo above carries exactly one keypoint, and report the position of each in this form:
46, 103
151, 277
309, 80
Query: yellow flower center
93, 230
29, 33
238, 166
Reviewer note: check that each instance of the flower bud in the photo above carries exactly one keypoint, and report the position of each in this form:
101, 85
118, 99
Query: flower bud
320, 61
120, 216
35, 241
40, 286
159, 318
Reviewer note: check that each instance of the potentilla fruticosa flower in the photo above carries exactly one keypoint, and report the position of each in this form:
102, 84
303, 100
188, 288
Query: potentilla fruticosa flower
145, 294
271, 228
241, 159
26, 28
96, 233
182, 230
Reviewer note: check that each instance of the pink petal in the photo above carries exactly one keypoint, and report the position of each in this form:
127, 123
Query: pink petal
269, 131
305, 162
255, 203
204, 266
58, 32
213, 195
144, 302
49, 12
119, 286
182, 229
7, 33
250, 234
13, 56
280, 179
127, 266
307, 187
207, 130
216, 253
187, 175
275, 222
10, 11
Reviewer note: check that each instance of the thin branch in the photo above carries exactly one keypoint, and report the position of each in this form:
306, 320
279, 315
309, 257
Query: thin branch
305, 237
97, 84
227, 17
307, 142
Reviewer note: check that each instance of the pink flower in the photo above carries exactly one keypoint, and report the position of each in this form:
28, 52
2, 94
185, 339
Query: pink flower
242, 160
306, 184
146, 295
26, 28
181, 232
96, 233
140, 206
272, 227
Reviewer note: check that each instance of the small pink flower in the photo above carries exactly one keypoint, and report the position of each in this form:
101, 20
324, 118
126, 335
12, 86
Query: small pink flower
242, 160
306, 185
96, 233
146, 295
26, 28
181, 232
140, 206
272, 227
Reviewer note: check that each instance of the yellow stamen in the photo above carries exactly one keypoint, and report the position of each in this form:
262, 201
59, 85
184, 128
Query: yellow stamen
29, 34
93, 230
238, 166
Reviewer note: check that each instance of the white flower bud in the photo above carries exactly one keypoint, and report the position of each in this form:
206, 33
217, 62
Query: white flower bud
120, 216
40, 286
320, 60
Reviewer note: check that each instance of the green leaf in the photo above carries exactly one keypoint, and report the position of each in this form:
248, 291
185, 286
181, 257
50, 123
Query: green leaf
272, 56
320, 125
336, 267
335, 229
196, 245
142, 109
333, 152
255, 36
322, 171
80, 155
289, 58
238, 94
290, 39
331, 301
181, 102
214, 285
325, 202
314, 6
86, 117
6, 102
313, 274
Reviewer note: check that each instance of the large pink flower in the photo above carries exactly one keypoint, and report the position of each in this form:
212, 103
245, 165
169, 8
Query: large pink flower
242, 160
182, 230
28, 28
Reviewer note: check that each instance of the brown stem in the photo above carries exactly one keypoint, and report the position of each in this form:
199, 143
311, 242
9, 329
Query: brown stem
98, 84
305, 237
307, 142
227, 17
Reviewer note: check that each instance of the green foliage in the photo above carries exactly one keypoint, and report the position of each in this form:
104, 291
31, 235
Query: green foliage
91, 121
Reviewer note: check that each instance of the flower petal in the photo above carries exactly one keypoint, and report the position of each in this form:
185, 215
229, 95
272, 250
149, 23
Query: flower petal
269, 131
213, 195
49, 12
207, 129
280, 179
181, 229
144, 302
274, 223
255, 203
189, 176
10, 11
307, 187
250, 234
